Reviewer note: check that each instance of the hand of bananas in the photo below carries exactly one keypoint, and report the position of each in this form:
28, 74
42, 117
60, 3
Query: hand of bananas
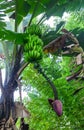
33, 48
34, 29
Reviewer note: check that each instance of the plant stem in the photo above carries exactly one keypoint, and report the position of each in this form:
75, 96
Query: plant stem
40, 70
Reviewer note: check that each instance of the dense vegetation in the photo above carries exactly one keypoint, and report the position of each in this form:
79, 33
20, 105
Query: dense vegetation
30, 57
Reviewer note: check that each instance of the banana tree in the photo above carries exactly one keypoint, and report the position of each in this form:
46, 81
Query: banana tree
22, 43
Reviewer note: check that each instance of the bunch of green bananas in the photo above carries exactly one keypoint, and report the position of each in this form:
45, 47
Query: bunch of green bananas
34, 29
33, 48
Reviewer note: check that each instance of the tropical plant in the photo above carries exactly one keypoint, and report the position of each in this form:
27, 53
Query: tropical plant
18, 40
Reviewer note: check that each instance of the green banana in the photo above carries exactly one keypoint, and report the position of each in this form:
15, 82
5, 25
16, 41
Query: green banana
34, 29
33, 48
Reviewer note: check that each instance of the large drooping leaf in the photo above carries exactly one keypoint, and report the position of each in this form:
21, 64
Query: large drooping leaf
81, 38
11, 36
51, 8
74, 5
4, 6
19, 7
79, 33
21, 10
48, 7
53, 34
54, 7
7, 6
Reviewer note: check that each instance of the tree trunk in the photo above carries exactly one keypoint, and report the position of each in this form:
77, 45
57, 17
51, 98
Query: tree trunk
7, 109
8, 88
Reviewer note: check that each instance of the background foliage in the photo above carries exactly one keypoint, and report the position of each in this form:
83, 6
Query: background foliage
21, 14
42, 115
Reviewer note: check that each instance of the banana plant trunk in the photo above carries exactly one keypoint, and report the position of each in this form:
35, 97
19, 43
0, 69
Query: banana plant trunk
7, 105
